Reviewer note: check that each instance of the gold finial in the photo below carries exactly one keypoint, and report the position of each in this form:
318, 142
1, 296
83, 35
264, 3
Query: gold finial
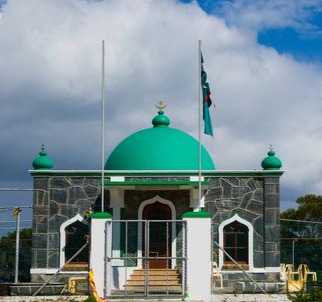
160, 105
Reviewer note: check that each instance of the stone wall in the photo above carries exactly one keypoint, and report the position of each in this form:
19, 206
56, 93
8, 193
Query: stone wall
57, 199
255, 200
133, 199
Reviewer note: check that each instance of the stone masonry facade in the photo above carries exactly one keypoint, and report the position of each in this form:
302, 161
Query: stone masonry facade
255, 199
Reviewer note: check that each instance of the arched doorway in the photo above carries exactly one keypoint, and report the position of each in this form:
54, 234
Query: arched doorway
159, 234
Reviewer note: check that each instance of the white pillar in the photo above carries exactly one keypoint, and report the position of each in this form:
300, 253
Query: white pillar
98, 249
117, 202
194, 199
198, 256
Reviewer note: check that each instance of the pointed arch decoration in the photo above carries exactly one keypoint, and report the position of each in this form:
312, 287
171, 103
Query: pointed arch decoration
153, 200
250, 228
157, 198
63, 238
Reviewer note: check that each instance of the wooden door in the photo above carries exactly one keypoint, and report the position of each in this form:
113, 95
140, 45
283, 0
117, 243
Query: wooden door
159, 234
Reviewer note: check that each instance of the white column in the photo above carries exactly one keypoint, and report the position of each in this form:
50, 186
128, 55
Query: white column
194, 199
117, 202
198, 256
98, 249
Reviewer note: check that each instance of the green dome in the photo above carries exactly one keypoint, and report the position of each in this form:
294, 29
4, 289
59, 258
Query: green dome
271, 162
43, 162
158, 148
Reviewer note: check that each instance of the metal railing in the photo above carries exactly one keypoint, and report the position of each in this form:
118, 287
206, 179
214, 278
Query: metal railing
145, 258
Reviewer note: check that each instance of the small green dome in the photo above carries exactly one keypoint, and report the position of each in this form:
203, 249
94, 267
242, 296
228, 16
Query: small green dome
271, 162
158, 148
43, 162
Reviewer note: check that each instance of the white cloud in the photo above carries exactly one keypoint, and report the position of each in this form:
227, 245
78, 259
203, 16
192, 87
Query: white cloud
263, 14
50, 66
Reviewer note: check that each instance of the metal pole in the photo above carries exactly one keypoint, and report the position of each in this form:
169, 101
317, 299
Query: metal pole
293, 250
103, 125
147, 257
17, 245
240, 267
199, 125
60, 269
184, 257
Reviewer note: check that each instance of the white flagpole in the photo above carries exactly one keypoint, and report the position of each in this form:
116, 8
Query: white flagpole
17, 246
199, 130
103, 126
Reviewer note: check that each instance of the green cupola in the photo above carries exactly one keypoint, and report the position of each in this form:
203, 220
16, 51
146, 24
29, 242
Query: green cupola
43, 162
271, 162
158, 148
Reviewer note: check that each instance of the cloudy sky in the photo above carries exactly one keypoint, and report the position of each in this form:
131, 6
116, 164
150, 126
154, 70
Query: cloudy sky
264, 65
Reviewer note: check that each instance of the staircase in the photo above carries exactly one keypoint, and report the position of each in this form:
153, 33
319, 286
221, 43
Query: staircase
157, 281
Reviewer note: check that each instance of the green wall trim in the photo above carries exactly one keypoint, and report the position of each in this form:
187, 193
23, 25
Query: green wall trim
200, 214
101, 215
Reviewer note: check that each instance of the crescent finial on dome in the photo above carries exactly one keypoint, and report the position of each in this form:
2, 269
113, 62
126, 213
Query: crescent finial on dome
161, 105
160, 119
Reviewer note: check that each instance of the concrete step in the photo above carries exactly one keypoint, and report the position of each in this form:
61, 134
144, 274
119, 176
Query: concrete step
157, 288
153, 282
156, 272
157, 280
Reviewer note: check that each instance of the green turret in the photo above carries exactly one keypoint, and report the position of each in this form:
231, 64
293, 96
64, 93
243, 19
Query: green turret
271, 162
43, 162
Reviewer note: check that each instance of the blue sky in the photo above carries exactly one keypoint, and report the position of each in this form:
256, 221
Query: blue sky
299, 32
264, 66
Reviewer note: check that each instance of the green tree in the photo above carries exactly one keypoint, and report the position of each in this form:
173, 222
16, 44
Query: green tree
8, 255
309, 209
301, 232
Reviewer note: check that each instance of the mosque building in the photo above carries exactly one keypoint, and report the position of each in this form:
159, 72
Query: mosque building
151, 187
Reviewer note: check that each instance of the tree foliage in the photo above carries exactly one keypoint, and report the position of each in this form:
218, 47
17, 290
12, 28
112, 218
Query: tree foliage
301, 232
8, 255
312, 296
309, 208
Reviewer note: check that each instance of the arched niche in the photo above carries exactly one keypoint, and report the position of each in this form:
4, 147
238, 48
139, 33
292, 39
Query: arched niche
73, 235
236, 236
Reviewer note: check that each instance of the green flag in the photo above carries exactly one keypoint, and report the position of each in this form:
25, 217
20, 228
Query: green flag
206, 100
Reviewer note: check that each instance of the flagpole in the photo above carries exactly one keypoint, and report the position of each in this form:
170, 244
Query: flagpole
103, 127
199, 126
17, 243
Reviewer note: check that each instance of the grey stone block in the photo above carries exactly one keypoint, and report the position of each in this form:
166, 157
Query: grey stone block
59, 183
239, 192
41, 256
259, 258
255, 206
58, 195
39, 241
75, 193
272, 259
53, 259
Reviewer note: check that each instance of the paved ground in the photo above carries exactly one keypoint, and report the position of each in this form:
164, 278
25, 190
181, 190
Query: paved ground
215, 298
250, 298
